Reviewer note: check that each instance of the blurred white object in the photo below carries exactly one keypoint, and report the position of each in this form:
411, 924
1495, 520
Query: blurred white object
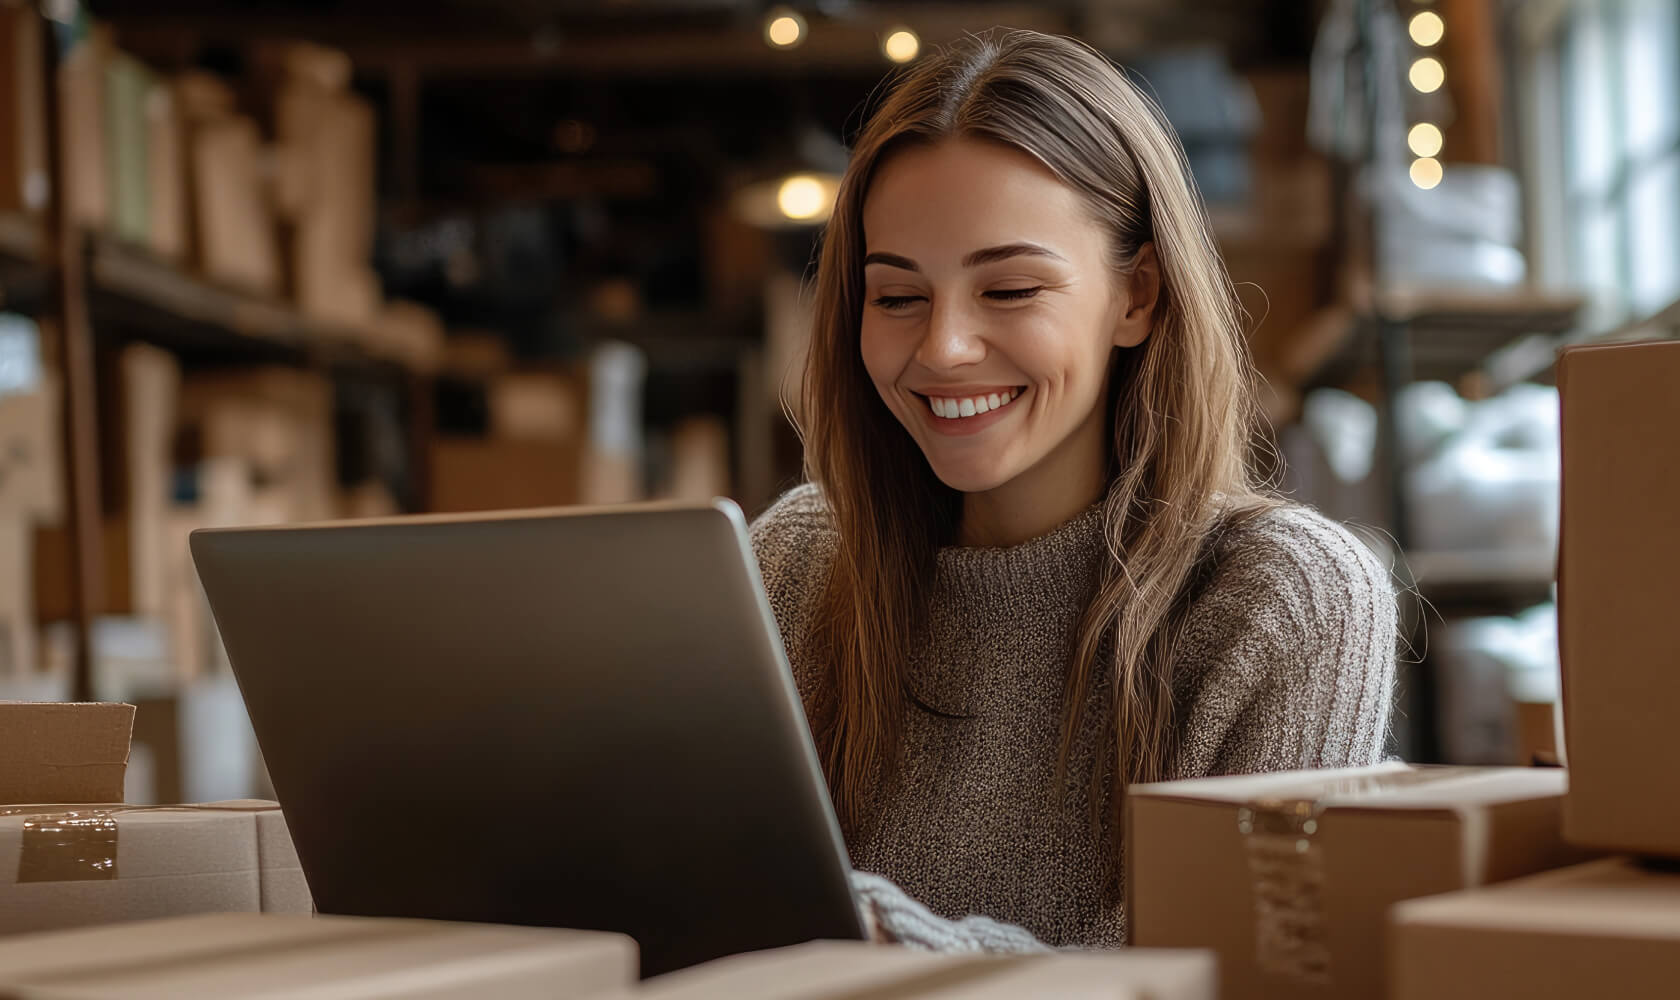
1429, 414
612, 466
1345, 428
1494, 485
1464, 231
1487, 666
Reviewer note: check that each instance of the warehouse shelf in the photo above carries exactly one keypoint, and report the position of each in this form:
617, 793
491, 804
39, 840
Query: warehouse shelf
136, 293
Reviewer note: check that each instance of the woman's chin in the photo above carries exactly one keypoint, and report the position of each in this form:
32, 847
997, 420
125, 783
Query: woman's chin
969, 479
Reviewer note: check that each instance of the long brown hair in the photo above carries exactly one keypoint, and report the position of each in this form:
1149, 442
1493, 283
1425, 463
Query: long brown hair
1182, 413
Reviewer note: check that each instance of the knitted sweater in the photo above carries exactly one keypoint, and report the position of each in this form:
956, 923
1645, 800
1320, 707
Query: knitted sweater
1287, 661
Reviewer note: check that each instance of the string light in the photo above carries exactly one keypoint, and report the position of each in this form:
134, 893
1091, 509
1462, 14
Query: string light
1427, 28
1427, 75
1426, 172
802, 197
784, 29
1424, 139
901, 45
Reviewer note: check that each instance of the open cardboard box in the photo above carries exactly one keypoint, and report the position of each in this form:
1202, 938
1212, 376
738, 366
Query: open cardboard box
71, 854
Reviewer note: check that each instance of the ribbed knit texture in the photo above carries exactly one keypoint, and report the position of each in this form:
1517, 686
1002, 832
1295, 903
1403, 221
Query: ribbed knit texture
1287, 662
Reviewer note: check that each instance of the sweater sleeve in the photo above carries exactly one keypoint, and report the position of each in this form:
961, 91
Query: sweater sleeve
902, 920
1292, 654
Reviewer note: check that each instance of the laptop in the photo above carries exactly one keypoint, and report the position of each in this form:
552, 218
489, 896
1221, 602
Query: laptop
571, 718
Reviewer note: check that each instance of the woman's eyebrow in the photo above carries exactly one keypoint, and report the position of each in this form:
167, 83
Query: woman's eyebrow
991, 255
891, 260
985, 255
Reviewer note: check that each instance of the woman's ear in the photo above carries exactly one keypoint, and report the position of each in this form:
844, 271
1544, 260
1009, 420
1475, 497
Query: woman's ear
1143, 291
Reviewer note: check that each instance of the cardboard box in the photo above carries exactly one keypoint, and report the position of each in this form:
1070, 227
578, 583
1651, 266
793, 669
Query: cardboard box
84, 858
535, 406
473, 474
236, 239
1617, 594
81, 75
1608, 928
829, 970
128, 86
1288, 877
31, 466
168, 222
344, 958
63, 753
24, 185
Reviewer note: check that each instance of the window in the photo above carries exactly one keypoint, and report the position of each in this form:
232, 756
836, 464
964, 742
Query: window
1616, 98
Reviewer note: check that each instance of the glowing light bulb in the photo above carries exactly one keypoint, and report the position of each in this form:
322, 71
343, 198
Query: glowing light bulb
1427, 28
1426, 172
901, 45
784, 29
1428, 74
801, 197
1424, 139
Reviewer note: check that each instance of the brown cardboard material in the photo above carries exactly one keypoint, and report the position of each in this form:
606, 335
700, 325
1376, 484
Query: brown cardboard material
82, 92
63, 752
1219, 863
835, 970
23, 137
539, 406
66, 866
345, 958
237, 242
31, 472
1608, 928
1617, 594
166, 174
471, 474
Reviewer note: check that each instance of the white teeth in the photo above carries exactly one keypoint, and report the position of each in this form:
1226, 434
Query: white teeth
956, 409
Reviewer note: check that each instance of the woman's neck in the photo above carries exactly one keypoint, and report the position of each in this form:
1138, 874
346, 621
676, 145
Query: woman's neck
1051, 493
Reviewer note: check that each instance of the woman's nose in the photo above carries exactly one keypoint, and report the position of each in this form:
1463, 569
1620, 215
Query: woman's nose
950, 340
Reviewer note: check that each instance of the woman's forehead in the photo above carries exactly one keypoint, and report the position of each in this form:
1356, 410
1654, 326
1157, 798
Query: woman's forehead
960, 195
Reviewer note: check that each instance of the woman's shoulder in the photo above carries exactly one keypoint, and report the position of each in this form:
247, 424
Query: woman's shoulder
794, 525
1293, 548
794, 542
1293, 576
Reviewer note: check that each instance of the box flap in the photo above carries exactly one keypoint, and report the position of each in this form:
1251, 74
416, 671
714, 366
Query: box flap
1612, 897
63, 752
1393, 786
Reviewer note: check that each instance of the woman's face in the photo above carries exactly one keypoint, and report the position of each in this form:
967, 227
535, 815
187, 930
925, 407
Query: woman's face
991, 314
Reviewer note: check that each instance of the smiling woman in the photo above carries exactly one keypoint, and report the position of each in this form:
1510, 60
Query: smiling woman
1033, 565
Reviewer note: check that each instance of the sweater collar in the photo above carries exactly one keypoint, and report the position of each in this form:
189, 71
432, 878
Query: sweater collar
1054, 571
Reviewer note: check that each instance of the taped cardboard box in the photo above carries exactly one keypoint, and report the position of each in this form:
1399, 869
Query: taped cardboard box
345, 958
1617, 594
83, 858
1288, 877
829, 970
1607, 928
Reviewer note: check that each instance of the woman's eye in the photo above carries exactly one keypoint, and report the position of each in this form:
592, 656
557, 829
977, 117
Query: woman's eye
896, 301
1005, 294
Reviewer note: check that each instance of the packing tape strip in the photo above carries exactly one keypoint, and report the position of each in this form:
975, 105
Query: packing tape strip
1287, 871
80, 845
